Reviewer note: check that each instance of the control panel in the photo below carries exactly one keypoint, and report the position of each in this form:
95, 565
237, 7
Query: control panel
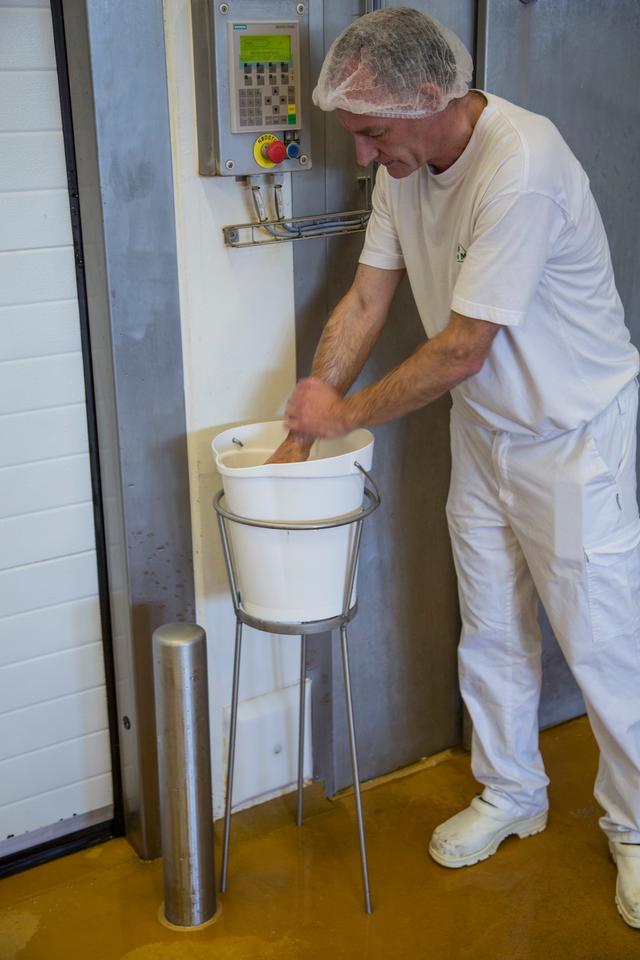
251, 62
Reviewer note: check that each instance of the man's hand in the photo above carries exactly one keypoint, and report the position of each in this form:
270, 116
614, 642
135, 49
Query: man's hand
292, 450
316, 409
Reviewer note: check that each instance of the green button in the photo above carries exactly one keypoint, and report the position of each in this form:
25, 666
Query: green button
293, 119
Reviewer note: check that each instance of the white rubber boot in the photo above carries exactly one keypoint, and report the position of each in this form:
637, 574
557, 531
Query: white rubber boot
626, 857
476, 833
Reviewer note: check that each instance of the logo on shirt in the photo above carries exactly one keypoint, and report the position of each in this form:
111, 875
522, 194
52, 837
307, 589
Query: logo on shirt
461, 254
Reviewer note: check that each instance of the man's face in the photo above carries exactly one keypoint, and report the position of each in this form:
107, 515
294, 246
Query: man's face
401, 146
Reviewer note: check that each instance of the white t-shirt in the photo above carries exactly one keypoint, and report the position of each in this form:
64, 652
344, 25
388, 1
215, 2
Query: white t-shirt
511, 233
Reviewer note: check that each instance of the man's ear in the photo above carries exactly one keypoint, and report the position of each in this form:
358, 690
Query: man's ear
430, 97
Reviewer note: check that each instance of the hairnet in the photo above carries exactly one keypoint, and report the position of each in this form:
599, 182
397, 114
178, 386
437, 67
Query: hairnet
395, 62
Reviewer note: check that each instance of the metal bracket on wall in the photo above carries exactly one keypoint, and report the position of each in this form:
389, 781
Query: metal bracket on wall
266, 229
366, 182
296, 228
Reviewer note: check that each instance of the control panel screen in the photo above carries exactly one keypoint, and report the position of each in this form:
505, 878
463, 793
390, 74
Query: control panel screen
266, 49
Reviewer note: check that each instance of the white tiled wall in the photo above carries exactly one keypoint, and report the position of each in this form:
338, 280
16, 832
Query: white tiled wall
54, 743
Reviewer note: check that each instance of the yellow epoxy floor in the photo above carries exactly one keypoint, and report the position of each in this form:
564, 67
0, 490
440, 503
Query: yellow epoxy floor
296, 895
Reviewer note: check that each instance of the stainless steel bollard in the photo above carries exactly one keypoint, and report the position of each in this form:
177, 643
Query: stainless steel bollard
184, 773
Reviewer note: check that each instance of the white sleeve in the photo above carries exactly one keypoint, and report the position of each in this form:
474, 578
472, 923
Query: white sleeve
513, 238
381, 245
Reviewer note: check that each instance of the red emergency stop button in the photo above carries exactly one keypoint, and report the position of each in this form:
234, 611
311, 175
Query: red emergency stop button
274, 151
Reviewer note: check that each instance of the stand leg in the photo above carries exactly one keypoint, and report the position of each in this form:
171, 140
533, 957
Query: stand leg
354, 762
303, 664
232, 754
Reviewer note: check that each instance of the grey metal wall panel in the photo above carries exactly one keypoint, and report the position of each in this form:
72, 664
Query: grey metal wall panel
117, 73
578, 64
404, 639
458, 15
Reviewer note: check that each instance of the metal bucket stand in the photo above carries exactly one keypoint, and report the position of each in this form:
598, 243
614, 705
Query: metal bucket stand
303, 629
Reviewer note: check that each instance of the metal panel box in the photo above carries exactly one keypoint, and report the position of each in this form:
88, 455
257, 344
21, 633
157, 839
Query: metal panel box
251, 62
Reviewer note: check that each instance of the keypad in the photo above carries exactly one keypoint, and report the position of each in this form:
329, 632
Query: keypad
266, 105
250, 108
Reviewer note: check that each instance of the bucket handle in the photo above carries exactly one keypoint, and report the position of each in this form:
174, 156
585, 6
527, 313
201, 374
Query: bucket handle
370, 479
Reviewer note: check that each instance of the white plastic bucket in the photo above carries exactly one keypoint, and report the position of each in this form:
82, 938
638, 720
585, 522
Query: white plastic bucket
291, 576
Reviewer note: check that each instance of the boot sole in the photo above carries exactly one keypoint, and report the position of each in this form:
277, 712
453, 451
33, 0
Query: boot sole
628, 918
518, 828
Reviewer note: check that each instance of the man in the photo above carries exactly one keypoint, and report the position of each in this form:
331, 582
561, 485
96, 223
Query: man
491, 216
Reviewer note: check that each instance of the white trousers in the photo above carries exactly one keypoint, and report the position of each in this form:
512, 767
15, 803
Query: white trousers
555, 518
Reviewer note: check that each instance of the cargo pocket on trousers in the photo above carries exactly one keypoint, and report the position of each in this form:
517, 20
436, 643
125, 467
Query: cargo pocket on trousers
613, 584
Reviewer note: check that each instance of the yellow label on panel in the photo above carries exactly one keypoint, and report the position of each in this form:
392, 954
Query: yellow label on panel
292, 108
257, 150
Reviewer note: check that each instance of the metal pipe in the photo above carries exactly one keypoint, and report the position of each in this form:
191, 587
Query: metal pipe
352, 570
233, 583
301, 719
184, 773
356, 773
482, 43
232, 756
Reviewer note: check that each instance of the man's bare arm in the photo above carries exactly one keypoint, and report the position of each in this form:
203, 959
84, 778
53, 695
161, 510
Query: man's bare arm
354, 327
457, 353
347, 340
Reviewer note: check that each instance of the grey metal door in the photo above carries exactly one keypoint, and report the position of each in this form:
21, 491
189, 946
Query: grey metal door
578, 64
403, 641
